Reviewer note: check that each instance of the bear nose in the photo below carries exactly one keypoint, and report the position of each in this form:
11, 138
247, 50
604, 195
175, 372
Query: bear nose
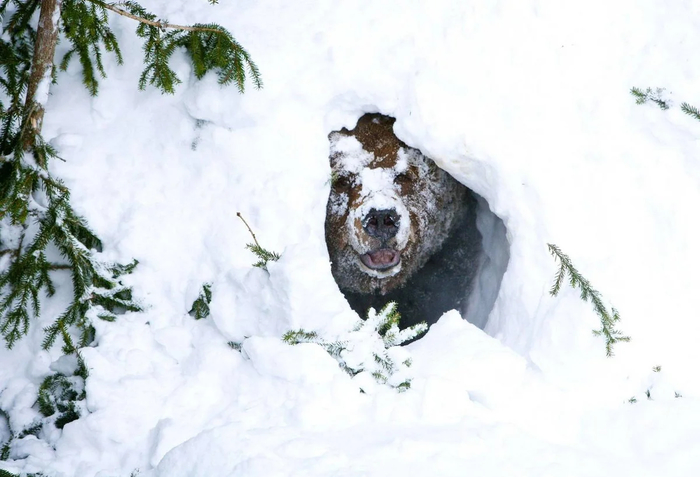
382, 224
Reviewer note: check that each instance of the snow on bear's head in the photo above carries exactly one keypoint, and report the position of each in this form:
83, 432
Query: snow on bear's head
390, 207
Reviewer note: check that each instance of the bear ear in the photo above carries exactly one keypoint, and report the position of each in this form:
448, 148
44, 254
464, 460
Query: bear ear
406, 177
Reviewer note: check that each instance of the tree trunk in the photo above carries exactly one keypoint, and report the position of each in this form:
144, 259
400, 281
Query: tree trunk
42, 67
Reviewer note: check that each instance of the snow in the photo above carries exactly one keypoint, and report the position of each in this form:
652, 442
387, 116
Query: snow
494, 263
527, 103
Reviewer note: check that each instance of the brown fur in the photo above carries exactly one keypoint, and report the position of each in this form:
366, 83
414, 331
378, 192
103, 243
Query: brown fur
435, 205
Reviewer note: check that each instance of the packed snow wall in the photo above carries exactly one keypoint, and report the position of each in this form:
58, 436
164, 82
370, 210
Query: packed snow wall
494, 262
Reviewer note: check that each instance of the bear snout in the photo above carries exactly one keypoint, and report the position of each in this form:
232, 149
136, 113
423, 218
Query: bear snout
382, 224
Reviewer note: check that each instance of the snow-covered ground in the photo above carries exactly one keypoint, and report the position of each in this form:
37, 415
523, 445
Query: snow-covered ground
525, 102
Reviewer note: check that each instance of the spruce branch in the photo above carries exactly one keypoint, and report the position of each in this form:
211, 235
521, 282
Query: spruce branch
209, 46
58, 397
96, 285
650, 95
691, 110
641, 96
85, 26
608, 319
299, 336
200, 307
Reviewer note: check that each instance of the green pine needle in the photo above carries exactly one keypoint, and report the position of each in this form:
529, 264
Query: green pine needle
649, 95
383, 325
264, 255
691, 110
608, 320
211, 48
300, 336
200, 307
85, 25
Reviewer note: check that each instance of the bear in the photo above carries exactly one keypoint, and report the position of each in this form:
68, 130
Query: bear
398, 228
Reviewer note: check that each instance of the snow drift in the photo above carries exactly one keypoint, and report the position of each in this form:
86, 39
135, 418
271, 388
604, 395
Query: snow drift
525, 103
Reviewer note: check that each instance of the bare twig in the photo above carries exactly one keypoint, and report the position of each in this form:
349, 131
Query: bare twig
249, 229
60, 267
159, 24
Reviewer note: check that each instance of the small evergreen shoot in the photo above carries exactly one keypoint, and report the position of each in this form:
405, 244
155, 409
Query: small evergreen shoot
655, 96
691, 111
371, 347
650, 95
608, 319
264, 255
200, 307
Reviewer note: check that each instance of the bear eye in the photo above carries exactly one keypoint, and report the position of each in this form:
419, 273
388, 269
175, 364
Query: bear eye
402, 178
341, 182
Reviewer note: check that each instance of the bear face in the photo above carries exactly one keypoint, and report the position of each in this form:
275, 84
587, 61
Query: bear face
390, 212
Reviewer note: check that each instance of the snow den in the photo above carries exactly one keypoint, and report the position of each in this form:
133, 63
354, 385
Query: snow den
399, 228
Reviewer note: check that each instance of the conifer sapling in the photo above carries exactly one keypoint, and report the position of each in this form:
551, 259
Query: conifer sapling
41, 235
371, 348
264, 255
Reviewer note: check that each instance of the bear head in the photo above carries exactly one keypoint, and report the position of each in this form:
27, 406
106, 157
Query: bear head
390, 207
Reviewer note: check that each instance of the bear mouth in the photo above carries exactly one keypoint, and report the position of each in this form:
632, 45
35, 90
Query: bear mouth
382, 259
